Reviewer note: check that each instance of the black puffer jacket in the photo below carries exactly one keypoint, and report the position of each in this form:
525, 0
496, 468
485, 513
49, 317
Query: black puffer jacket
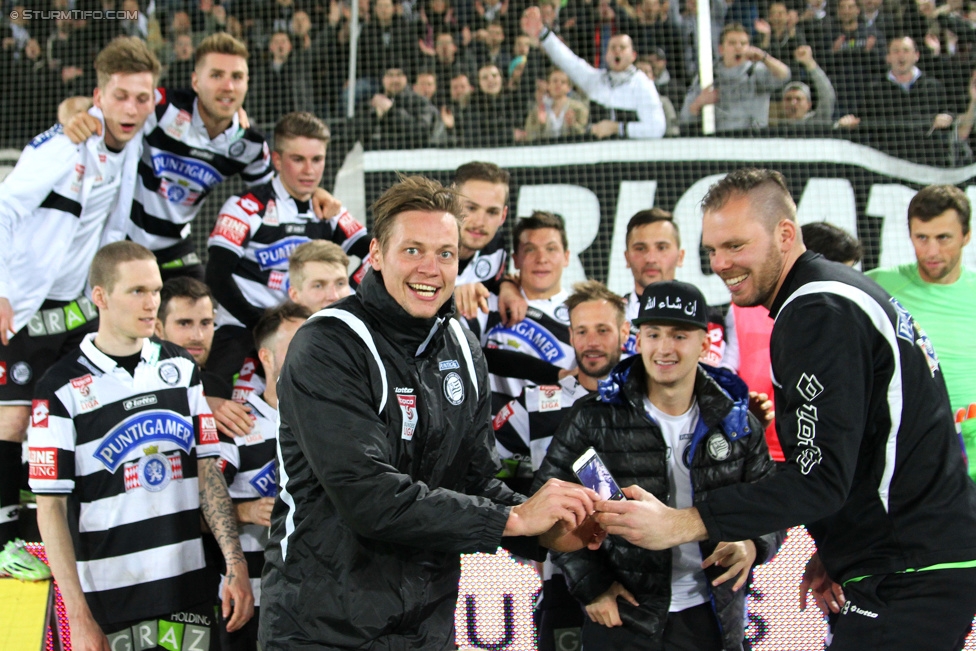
731, 450
386, 475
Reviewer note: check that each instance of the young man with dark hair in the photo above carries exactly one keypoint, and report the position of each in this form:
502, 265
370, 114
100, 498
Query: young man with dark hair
525, 426
123, 453
677, 429
653, 255
54, 209
940, 292
256, 232
248, 462
874, 467
386, 456
541, 255
832, 242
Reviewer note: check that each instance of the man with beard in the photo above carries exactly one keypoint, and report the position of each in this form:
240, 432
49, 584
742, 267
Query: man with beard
653, 255
874, 467
525, 426
939, 290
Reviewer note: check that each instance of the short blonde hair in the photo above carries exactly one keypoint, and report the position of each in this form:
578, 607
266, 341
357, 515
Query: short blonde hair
125, 55
104, 271
219, 43
314, 251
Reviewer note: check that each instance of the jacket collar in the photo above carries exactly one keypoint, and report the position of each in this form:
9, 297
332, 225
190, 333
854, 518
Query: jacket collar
392, 320
723, 398
788, 283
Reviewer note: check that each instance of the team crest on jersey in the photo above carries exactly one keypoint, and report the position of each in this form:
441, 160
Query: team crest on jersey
270, 217
237, 148
21, 373
718, 447
154, 471
482, 268
550, 398
157, 425
454, 388
561, 313
265, 482
408, 412
169, 373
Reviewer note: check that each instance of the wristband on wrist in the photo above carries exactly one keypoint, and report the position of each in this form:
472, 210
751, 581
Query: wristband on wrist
544, 33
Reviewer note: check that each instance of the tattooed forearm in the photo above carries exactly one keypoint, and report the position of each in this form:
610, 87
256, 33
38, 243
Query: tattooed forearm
218, 510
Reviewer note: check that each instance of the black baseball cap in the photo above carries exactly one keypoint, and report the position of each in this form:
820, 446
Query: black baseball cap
673, 302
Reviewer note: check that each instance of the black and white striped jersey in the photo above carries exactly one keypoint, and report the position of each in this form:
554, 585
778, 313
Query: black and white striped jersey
525, 426
249, 464
124, 450
262, 228
181, 165
543, 334
486, 266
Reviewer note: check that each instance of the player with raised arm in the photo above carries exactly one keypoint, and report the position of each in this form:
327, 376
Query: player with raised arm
54, 208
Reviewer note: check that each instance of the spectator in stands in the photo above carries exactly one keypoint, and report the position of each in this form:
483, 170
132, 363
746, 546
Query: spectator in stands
814, 21
170, 486
180, 71
873, 14
250, 470
558, 115
54, 208
646, 64
907, 110
68, 51
689, 32
855, 55
26, 88
448, 63
436, 16
652, 30
796, 105
489, 47
778, 34
387, 40
425, 85
15, 31
455, 114
281, 84
938, 290
744, 80
488, 12
656, 66
396, 118
625, 102
494, 113
949, 43
597, 25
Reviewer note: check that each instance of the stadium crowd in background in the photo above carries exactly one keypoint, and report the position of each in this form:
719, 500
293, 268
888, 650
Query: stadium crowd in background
894, 75
125, 174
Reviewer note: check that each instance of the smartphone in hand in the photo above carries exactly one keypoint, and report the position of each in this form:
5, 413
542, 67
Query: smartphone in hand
593, 473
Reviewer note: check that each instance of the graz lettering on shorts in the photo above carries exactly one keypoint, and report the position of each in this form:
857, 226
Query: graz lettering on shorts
155, 425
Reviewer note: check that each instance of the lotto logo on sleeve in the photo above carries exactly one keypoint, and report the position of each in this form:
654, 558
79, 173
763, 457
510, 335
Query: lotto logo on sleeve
39, 413
43, 463
208, 430
502, 417
249, 204
231, 229
3, 373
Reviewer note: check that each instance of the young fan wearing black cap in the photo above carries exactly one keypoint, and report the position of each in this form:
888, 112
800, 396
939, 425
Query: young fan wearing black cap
677, 429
